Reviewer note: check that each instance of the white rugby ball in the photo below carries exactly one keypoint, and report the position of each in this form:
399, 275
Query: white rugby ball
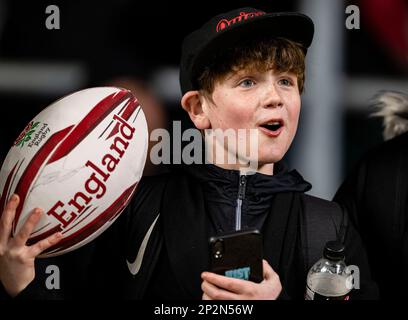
80, 160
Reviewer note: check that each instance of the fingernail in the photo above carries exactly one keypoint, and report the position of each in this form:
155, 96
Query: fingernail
14, 197
58, 235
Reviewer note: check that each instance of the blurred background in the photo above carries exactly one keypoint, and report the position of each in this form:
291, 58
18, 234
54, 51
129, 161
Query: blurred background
136, 45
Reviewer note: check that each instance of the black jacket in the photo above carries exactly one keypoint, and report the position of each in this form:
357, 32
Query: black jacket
159, 246
376, 195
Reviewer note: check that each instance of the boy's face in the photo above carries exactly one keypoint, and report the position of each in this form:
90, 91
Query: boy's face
251, 100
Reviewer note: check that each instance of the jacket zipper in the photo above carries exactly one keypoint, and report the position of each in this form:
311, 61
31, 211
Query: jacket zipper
241, 196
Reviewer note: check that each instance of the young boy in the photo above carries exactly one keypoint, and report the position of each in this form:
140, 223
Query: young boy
244, 69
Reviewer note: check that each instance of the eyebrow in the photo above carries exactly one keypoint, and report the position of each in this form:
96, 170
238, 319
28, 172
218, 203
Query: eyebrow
243, 72
238, 73
232, 74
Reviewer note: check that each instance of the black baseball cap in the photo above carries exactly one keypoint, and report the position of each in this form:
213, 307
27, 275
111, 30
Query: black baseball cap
228, 28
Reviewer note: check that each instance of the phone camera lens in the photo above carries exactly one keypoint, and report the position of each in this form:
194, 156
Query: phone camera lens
218, 249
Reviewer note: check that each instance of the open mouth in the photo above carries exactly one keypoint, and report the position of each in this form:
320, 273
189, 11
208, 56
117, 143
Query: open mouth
272, 128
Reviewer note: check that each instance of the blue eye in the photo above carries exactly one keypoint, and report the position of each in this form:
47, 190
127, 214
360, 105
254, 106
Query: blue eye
247, 83
285, 82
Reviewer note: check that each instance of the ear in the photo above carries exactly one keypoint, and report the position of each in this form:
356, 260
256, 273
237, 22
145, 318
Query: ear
192, 102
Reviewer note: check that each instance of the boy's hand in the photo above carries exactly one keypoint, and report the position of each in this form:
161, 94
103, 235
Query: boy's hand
217, 287
17, 259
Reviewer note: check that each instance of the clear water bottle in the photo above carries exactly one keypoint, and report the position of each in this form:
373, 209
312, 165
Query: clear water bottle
329, 278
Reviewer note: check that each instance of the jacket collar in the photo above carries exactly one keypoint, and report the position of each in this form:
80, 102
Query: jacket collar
224, 183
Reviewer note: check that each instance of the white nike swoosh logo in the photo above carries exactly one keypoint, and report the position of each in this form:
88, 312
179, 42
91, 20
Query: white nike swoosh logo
134, 266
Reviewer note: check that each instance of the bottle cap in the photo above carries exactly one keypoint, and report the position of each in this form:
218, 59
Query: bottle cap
334, 250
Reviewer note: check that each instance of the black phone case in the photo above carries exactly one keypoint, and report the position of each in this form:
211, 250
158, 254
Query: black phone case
232, 254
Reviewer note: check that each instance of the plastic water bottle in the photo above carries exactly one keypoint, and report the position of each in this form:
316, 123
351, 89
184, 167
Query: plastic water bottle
329, 278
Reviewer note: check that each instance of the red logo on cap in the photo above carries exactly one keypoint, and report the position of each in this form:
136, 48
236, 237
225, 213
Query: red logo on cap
224, 23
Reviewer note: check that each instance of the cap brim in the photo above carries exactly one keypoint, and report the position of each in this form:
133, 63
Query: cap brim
293, 26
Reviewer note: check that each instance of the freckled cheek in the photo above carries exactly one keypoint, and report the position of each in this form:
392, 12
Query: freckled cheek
242, 113
239, 118
293, 117
234, 117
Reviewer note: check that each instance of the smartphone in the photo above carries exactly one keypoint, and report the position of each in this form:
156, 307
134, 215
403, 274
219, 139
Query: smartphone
238, 255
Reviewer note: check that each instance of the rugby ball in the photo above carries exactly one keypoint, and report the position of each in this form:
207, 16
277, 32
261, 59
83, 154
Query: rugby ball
80, 160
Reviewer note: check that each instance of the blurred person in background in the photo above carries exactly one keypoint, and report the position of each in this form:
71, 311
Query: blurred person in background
376, 196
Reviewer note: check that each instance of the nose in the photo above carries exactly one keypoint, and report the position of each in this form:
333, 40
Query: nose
272, 98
